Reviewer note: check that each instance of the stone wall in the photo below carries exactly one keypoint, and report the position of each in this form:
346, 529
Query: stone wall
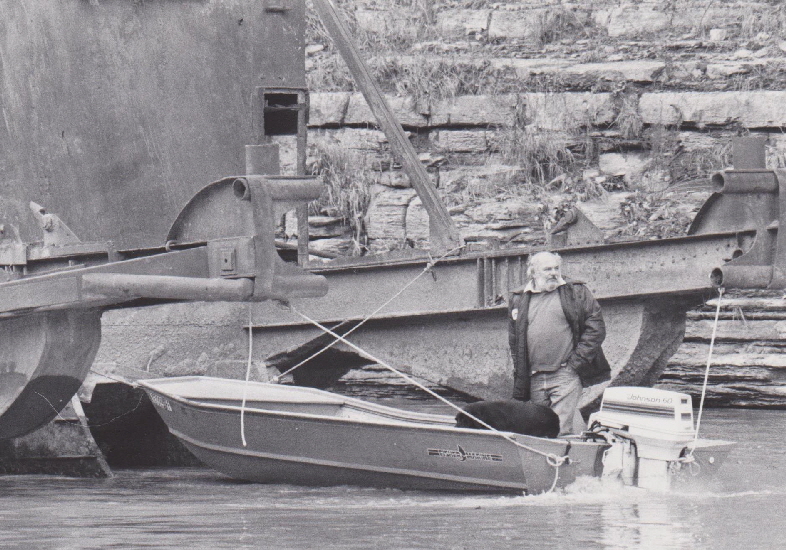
463, 134
602, 100
747, 362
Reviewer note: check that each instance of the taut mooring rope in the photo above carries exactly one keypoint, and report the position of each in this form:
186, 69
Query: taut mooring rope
426, 269
248, 375
552, 459
707, 370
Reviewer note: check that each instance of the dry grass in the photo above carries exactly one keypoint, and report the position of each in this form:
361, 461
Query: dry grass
328, 73
559, 23
541, 156
770, 21
628, 120
652, 215
428, 78
549, 158
694, 168
348, 184
686, 168
777, 157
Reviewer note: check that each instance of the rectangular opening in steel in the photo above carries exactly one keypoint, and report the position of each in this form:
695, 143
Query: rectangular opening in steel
281, 114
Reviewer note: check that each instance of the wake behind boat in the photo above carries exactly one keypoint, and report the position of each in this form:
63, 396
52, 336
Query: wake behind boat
272, 433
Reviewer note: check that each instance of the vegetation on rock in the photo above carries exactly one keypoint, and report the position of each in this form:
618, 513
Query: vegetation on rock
447, 49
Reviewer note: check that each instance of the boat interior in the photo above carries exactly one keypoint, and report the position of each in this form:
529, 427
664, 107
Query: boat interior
229, 393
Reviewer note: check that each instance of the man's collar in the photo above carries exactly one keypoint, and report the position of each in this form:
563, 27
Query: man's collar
531, 288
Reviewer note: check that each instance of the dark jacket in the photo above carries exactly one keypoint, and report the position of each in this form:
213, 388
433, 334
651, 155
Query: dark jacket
586, 322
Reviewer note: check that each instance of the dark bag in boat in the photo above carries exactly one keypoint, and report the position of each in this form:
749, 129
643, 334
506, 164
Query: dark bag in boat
521, 417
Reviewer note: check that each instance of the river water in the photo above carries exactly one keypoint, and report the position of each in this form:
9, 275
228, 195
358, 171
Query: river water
197, 508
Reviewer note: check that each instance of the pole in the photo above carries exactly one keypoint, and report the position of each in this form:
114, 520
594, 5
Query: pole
443, 234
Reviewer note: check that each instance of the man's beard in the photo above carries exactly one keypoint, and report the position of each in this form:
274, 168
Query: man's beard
548, 284
551, 284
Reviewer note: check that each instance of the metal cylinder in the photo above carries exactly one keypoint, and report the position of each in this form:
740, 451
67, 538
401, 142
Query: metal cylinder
742, 276
745, 181
164, 287
297, 188
240, 189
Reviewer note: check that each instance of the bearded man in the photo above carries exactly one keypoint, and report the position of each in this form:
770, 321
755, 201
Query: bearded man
556, 330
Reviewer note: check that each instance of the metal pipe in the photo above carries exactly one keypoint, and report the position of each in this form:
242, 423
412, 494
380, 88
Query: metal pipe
742, 276
745, 181
303, 188
165, 287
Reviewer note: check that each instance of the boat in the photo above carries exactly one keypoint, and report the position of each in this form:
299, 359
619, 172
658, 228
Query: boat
273, 433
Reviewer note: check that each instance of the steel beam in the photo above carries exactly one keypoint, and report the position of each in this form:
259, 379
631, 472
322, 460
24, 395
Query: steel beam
666, 267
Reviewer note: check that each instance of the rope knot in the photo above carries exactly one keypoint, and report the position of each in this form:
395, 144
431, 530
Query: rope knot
556, 461
430, 267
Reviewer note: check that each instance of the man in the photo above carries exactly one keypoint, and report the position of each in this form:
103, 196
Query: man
555, 332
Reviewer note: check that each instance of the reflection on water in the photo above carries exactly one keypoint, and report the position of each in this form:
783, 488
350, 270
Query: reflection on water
645, 523
196, 508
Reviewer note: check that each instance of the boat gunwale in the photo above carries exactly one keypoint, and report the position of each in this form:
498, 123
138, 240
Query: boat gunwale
335, 399
438, 425
323, 417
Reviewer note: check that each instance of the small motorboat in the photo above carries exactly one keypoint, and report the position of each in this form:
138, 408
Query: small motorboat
272, 433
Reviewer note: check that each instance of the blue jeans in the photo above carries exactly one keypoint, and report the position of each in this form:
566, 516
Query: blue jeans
561, 391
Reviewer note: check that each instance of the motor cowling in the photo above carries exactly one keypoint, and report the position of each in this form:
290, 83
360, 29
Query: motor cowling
658, 424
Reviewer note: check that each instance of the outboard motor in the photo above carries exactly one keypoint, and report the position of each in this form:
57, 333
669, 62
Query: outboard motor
649, 430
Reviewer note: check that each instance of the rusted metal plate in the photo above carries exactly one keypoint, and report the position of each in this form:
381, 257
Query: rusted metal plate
620, 271
468, 351
45, 357
450, 326
158, 97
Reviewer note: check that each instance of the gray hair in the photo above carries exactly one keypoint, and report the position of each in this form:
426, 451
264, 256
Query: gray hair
535, 257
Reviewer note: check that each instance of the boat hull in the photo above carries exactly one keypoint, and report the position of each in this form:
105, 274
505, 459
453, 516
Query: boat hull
318, 449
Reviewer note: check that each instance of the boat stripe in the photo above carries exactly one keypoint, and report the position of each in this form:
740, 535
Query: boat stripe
381, 469
638, 409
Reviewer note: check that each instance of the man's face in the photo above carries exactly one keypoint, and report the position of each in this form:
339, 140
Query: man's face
546, 273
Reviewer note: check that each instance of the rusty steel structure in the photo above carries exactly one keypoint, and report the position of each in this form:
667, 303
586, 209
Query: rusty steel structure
55, 292
155, 123
451, 327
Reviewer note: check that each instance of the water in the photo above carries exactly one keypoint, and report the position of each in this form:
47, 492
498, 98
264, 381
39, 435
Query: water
196, 508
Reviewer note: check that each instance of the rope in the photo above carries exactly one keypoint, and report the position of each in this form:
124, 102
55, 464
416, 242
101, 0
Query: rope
556, 474
61, 417
552, 459
131, 383
429, 266
706, 375
57, 412
248, 375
